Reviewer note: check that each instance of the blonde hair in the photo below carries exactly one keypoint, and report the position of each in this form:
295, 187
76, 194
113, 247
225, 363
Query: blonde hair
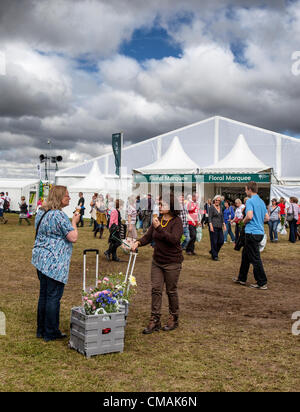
55, 197
238, 201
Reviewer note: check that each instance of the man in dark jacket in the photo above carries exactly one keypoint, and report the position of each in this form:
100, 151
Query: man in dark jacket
81, 205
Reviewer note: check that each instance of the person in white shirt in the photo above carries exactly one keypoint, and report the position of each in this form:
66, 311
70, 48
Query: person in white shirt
238, 217
131, 218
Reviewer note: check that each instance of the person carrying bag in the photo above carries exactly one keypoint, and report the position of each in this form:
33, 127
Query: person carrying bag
51, 256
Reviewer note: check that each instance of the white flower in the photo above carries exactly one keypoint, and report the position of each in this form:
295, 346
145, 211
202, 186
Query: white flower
132, 280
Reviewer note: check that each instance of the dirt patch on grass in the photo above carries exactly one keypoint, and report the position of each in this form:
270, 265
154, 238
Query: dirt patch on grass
230, 337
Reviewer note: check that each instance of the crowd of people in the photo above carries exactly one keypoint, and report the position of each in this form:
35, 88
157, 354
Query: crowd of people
171, 224
5, 202
223, 218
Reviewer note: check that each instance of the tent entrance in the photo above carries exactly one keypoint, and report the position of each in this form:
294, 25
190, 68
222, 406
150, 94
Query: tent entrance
157, 189
238, 192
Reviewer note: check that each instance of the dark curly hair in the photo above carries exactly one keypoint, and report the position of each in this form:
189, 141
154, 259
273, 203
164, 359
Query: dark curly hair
173, 203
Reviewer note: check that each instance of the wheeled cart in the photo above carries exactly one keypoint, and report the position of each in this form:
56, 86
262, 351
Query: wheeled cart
101, 333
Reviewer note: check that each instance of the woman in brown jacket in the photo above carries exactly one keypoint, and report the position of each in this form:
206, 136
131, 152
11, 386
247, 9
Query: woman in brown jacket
166, 232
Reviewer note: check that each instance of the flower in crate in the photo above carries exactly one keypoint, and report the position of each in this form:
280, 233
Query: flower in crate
132, 280
108, 301
109, 294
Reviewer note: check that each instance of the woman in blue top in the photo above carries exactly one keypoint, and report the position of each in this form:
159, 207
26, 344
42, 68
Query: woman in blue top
51, 256
228, 214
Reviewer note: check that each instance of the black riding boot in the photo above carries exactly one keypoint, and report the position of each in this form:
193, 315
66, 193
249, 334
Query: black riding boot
101, 232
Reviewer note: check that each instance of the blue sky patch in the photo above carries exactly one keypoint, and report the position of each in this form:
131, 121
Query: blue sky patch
150, 44
291, 134
87, 65
238, 48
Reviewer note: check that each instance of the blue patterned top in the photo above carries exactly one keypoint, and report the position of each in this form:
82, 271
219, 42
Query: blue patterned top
52, 252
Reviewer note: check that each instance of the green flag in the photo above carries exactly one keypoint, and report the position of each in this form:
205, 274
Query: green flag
117, 149
41, 190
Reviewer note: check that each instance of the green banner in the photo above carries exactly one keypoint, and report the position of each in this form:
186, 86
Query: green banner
197, 178
41, 190
138, 178
117, 149
237, 178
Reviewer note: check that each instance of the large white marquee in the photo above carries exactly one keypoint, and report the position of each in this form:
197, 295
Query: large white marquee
211, 145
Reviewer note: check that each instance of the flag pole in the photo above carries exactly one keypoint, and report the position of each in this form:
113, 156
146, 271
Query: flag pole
121, 155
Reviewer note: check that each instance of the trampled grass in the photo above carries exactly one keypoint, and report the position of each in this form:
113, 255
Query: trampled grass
230, 338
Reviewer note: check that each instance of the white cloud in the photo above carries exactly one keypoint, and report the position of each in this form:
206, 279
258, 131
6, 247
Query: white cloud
49, 95
34, 85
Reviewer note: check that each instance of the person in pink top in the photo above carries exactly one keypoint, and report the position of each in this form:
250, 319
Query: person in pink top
114, 240
193, 221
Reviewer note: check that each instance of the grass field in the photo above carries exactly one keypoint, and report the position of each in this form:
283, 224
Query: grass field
231, 338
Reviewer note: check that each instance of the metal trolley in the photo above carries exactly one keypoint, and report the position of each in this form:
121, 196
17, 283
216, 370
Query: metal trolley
102, 333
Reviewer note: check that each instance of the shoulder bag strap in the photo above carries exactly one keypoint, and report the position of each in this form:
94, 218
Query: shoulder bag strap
273, 210
38, 226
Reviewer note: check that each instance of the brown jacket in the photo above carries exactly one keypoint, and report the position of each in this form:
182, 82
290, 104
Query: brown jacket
167, 247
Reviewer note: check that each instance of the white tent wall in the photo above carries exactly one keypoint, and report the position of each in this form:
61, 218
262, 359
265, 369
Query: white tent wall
290, 160
262, 144
68, 181
278, 191
115, 187
275, 150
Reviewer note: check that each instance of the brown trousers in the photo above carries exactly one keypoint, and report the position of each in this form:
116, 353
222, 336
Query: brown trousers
168, 274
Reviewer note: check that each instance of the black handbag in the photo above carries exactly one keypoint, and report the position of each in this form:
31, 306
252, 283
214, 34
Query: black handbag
241, 240
114, 234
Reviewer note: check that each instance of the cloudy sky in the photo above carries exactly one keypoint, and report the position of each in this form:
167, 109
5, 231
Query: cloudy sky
76, 71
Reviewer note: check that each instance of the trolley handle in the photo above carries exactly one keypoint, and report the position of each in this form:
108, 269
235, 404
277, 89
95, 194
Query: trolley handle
84, 266
91, 250
130, 268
